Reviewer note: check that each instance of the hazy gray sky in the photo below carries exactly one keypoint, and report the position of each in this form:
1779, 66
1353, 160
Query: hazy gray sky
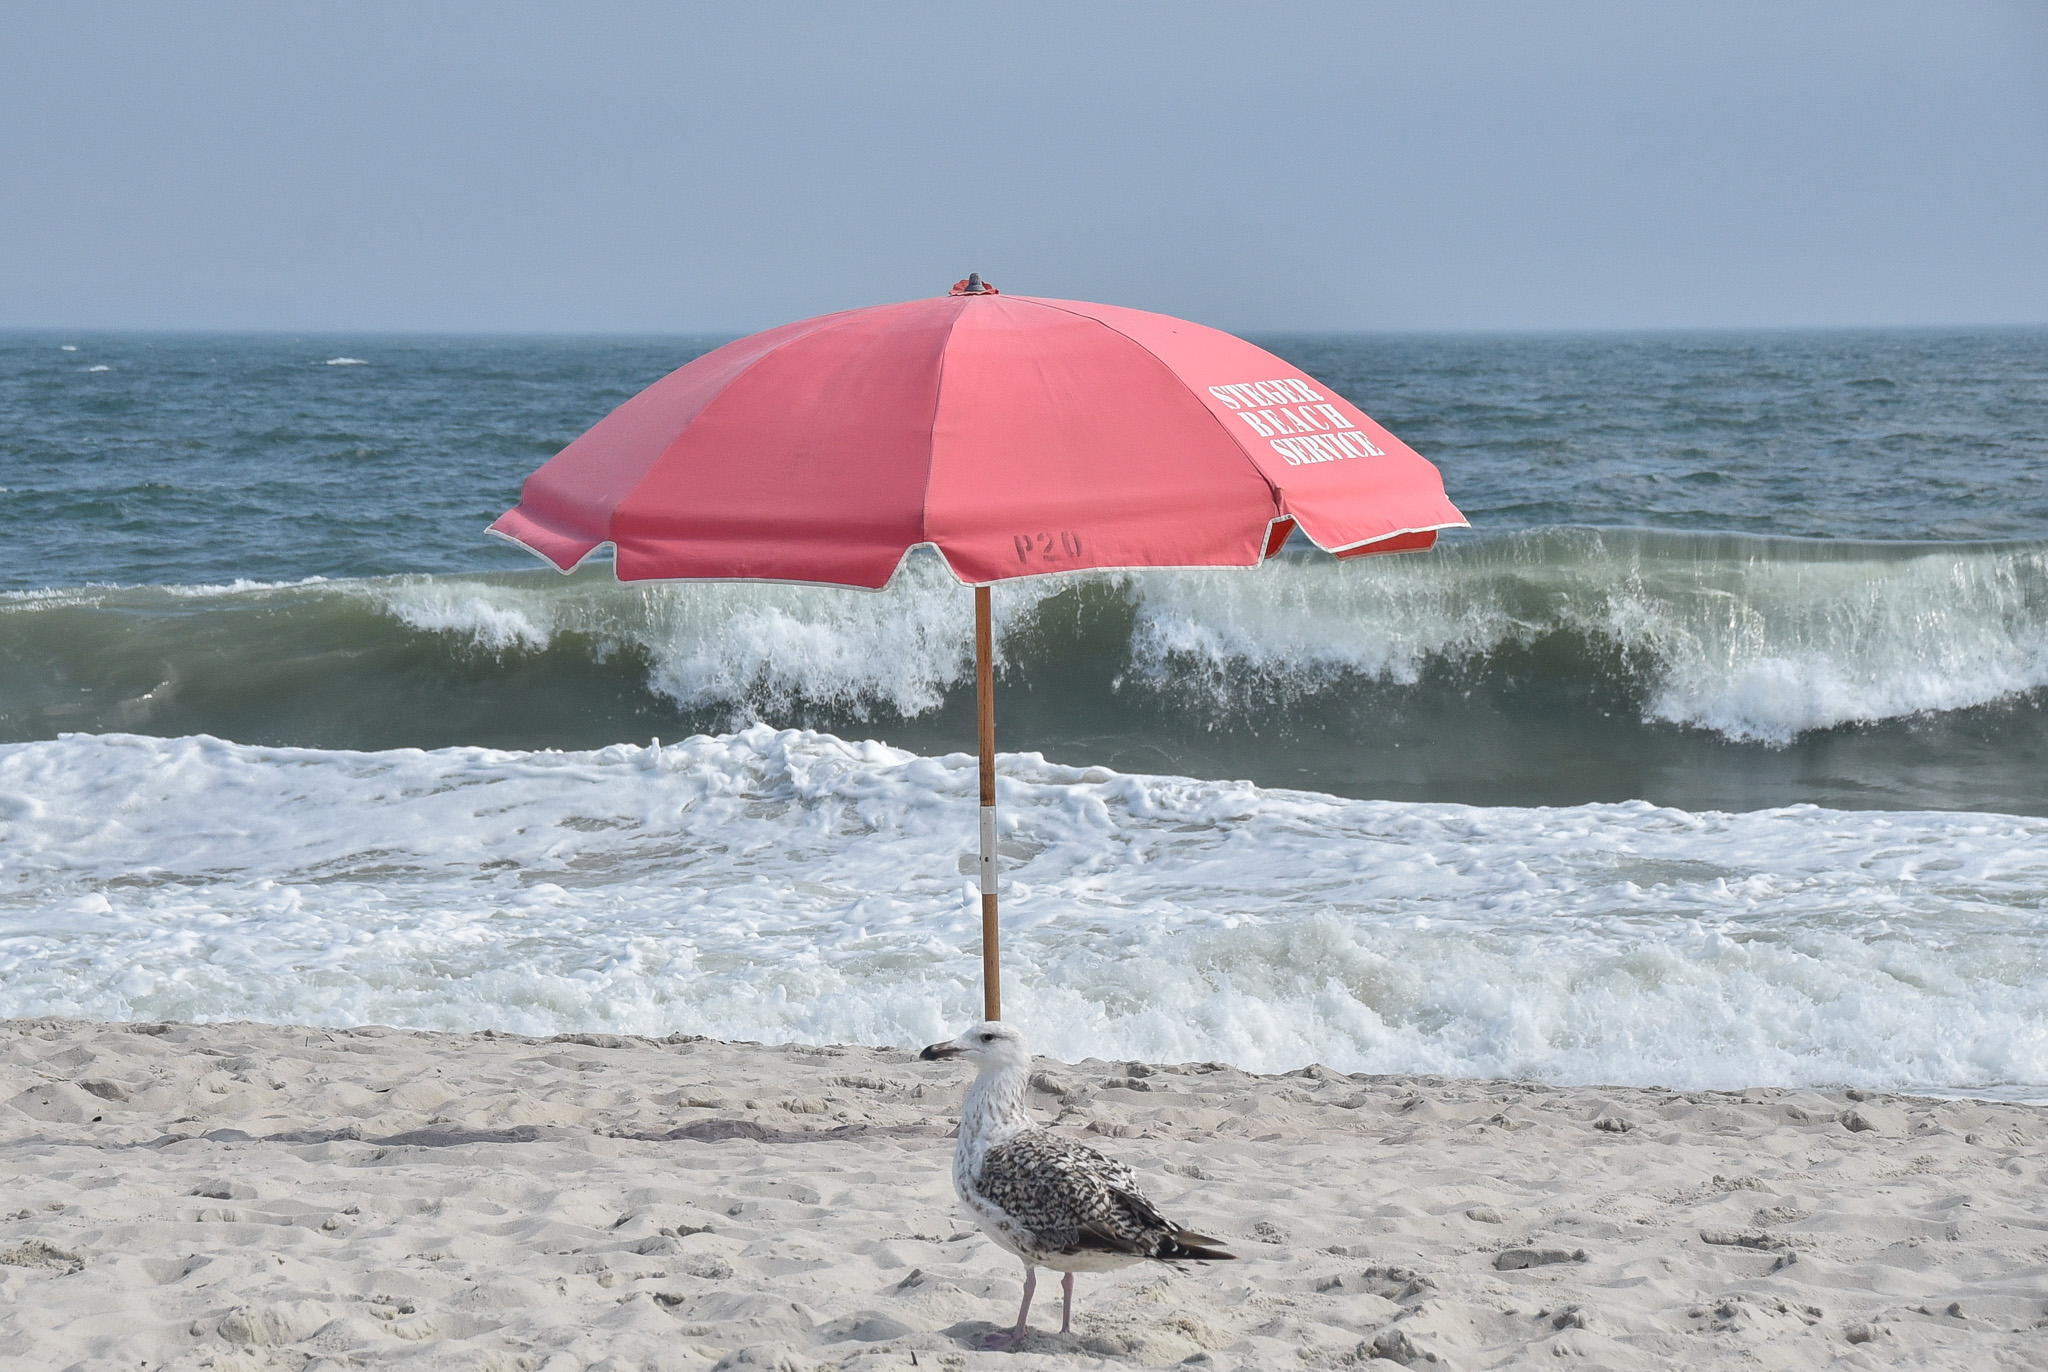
1254, 166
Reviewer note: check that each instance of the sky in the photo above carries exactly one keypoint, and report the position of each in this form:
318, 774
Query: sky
673, 168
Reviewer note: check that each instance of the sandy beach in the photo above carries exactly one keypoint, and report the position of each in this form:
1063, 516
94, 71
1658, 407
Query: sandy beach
242, 1196
1445, 606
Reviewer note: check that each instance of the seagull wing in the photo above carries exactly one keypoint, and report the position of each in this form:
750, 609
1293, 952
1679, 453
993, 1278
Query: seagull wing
1070, 1197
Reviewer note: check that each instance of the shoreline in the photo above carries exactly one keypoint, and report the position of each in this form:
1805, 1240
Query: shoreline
253, 1196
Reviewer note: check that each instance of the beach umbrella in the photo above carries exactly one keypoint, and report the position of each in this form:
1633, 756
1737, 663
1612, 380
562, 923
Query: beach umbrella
1019, 437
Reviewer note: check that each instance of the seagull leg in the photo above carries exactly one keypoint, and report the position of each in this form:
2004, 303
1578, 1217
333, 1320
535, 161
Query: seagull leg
1067, 1304
1016, 1335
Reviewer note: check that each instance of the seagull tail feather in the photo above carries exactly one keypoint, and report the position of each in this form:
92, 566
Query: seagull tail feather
1185, 1245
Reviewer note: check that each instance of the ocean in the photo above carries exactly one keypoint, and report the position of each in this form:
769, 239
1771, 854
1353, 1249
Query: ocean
1713, 755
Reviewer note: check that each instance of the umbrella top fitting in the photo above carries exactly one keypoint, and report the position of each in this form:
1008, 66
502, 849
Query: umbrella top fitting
1018, 436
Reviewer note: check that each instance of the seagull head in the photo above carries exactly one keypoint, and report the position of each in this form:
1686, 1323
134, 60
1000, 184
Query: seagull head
991, 1046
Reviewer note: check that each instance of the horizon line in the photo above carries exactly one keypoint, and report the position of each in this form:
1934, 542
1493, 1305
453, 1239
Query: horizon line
1488, 331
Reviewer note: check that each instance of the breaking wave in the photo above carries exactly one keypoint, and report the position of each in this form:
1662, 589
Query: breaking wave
1741, 641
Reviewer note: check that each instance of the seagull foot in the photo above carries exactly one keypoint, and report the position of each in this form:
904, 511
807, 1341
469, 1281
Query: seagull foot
1010, 1338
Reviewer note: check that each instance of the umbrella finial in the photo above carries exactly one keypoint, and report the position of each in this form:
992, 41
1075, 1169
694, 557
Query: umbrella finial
974, 285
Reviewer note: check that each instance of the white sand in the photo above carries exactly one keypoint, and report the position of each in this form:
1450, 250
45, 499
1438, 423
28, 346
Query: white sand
244, 1196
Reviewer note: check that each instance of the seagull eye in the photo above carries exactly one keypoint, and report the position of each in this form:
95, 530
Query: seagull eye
988, 1038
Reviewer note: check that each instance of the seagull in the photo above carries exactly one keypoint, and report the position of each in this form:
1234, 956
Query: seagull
1049, 1200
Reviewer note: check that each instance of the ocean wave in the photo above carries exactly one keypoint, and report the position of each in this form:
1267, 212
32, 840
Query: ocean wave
118, 596
749, 650
792, 886
1747, 640
1756, 639
1753, 639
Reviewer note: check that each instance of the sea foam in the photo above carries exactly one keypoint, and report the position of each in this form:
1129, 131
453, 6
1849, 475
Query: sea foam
792, 886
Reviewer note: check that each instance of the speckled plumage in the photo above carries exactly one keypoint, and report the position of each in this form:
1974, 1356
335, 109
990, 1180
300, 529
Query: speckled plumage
1049, 1199
1067, 1199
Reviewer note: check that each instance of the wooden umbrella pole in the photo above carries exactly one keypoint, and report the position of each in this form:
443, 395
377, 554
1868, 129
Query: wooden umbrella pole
985, 713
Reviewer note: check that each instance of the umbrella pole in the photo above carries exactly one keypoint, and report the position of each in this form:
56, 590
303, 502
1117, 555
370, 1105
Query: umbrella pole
985, 714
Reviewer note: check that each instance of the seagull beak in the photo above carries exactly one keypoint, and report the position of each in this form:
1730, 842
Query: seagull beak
939, 1051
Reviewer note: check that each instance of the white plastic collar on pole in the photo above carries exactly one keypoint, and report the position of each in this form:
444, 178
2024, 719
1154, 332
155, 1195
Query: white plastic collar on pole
988, 850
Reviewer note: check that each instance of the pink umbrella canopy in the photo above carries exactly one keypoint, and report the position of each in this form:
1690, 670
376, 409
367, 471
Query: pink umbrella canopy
1018, 436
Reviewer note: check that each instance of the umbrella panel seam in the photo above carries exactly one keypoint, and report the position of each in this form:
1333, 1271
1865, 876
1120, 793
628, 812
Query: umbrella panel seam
924, 500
